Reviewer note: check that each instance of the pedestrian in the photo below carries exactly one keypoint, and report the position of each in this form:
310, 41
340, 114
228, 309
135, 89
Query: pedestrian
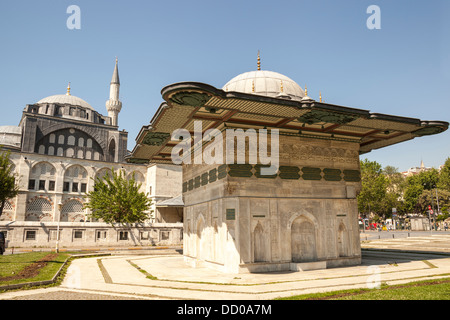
445, 226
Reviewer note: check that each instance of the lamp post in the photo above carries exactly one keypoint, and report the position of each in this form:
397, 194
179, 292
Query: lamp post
57, 230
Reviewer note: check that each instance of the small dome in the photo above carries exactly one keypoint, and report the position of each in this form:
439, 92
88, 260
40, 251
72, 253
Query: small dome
66, 99
265, 83
10, 136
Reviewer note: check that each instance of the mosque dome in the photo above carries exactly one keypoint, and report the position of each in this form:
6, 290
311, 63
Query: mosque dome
66, 99
266, 83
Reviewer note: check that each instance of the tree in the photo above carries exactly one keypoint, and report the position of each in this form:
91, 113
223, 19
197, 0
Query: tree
444, 176
8, 186
394, 191
118, 200
422, 183
374, 185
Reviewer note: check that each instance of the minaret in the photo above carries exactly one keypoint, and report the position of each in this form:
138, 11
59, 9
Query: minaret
114, 105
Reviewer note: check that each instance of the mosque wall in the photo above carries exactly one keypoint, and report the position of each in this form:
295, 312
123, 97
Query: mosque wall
27, 234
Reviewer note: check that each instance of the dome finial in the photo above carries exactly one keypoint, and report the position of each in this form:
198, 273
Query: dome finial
68, 90
306, 91
259, 62
320, 96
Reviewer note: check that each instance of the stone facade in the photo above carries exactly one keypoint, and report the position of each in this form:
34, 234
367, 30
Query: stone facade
304, 217
90, 234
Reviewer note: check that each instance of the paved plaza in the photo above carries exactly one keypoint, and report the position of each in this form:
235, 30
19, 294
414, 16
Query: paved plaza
164, 275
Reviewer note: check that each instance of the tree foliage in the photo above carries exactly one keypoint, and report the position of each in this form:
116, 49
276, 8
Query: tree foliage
444, 176
8, 186
118, 200
384, 189
374, 185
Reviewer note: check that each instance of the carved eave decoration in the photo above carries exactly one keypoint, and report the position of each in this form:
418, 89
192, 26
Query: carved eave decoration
187, 102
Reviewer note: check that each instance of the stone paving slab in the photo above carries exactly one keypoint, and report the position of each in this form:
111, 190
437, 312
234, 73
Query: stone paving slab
118, 276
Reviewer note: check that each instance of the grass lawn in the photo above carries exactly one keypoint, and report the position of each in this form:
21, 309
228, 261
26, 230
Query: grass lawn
438, 289
30, 267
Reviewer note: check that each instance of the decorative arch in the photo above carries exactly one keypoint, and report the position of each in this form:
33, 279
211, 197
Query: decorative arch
39, 208
72, 210
343, 241
42, 168
75, 179
102, 172
259, 244
303, 228
8, 211
305, 214
111, 150
139, 178
200, 236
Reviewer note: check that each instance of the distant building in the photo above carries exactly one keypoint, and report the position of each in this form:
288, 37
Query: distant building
59, 146
416, 170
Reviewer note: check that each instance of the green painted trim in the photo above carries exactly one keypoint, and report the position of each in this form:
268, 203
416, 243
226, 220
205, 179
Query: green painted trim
212, 175
155, 138
195, 99
311, 173
289, 172
197, 182
222, 171
332, 174
240, 170
258, 172
204, 179
352, 175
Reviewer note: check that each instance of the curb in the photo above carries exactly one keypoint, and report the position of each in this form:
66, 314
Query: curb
407, 251
55, 277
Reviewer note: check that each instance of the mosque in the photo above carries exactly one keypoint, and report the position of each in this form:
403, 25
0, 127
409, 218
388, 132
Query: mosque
59, 146
301, 216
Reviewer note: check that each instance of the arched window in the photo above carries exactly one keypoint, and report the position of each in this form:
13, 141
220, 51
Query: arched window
71, 140
112, 151
69, 152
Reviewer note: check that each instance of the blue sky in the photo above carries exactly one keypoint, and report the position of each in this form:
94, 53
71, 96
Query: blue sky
401, 69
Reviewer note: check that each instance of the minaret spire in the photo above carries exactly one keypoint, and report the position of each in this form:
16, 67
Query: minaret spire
114, 105
115, 77
259, 62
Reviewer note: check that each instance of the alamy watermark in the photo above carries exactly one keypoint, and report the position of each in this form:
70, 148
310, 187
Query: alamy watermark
220, 150
374, 20
374, 279
74, 20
